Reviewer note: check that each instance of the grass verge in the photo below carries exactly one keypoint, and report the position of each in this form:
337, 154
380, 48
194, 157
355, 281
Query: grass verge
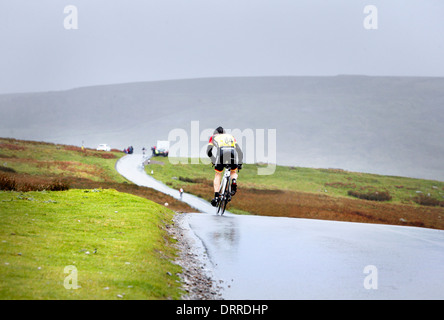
32, 165
115, 240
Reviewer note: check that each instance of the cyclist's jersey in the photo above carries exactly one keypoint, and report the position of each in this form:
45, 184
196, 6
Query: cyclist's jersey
228, 151
222, 140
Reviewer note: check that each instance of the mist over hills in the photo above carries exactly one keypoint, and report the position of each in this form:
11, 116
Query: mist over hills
385, 125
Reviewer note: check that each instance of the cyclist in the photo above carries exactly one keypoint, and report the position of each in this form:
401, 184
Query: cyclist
227, 151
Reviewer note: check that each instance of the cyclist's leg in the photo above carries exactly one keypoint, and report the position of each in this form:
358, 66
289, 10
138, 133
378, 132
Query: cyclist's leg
216, 184
234, 175
234, 171
218, 169
217, 181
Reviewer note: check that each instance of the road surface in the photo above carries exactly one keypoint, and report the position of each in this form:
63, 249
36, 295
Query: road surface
257, 257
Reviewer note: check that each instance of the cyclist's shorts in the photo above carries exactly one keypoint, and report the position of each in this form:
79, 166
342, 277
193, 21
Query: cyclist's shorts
220, 167
226, 156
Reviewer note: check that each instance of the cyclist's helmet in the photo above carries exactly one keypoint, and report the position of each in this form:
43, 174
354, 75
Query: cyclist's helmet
219, 130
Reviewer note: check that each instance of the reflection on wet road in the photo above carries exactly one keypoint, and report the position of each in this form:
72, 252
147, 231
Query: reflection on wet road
287, 258
221, 234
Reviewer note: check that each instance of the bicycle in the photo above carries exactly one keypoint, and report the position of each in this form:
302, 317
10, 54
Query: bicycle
225, 190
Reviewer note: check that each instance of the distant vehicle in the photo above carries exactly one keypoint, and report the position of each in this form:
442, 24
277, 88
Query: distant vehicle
129, 150
160, 152
103, 147
162, 149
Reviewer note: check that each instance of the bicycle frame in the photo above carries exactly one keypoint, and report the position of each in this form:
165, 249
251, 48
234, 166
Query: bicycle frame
224, 191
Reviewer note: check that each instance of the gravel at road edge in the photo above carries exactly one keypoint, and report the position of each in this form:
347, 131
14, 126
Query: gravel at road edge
196, 278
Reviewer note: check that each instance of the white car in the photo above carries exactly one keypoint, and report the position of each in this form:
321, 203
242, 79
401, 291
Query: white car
103, 147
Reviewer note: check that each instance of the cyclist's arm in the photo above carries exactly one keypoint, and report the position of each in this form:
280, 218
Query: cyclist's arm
210, 151
240, 154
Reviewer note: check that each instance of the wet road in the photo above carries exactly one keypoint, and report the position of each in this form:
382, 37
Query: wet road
287, 258
132, 169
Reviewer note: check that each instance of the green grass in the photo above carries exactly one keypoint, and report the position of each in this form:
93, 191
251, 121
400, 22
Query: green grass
41, 233
40, 158
332, 182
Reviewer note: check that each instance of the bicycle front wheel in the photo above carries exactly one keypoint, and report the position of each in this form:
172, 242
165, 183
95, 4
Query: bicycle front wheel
225, 195
220, 205
224, 205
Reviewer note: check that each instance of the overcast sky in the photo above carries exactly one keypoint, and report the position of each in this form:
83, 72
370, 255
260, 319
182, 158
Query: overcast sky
146, 40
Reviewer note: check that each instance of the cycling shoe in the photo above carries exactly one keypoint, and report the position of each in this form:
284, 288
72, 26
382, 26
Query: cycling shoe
233, 189
214, 202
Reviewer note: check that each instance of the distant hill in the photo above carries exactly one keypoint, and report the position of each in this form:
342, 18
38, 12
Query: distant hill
386, 125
